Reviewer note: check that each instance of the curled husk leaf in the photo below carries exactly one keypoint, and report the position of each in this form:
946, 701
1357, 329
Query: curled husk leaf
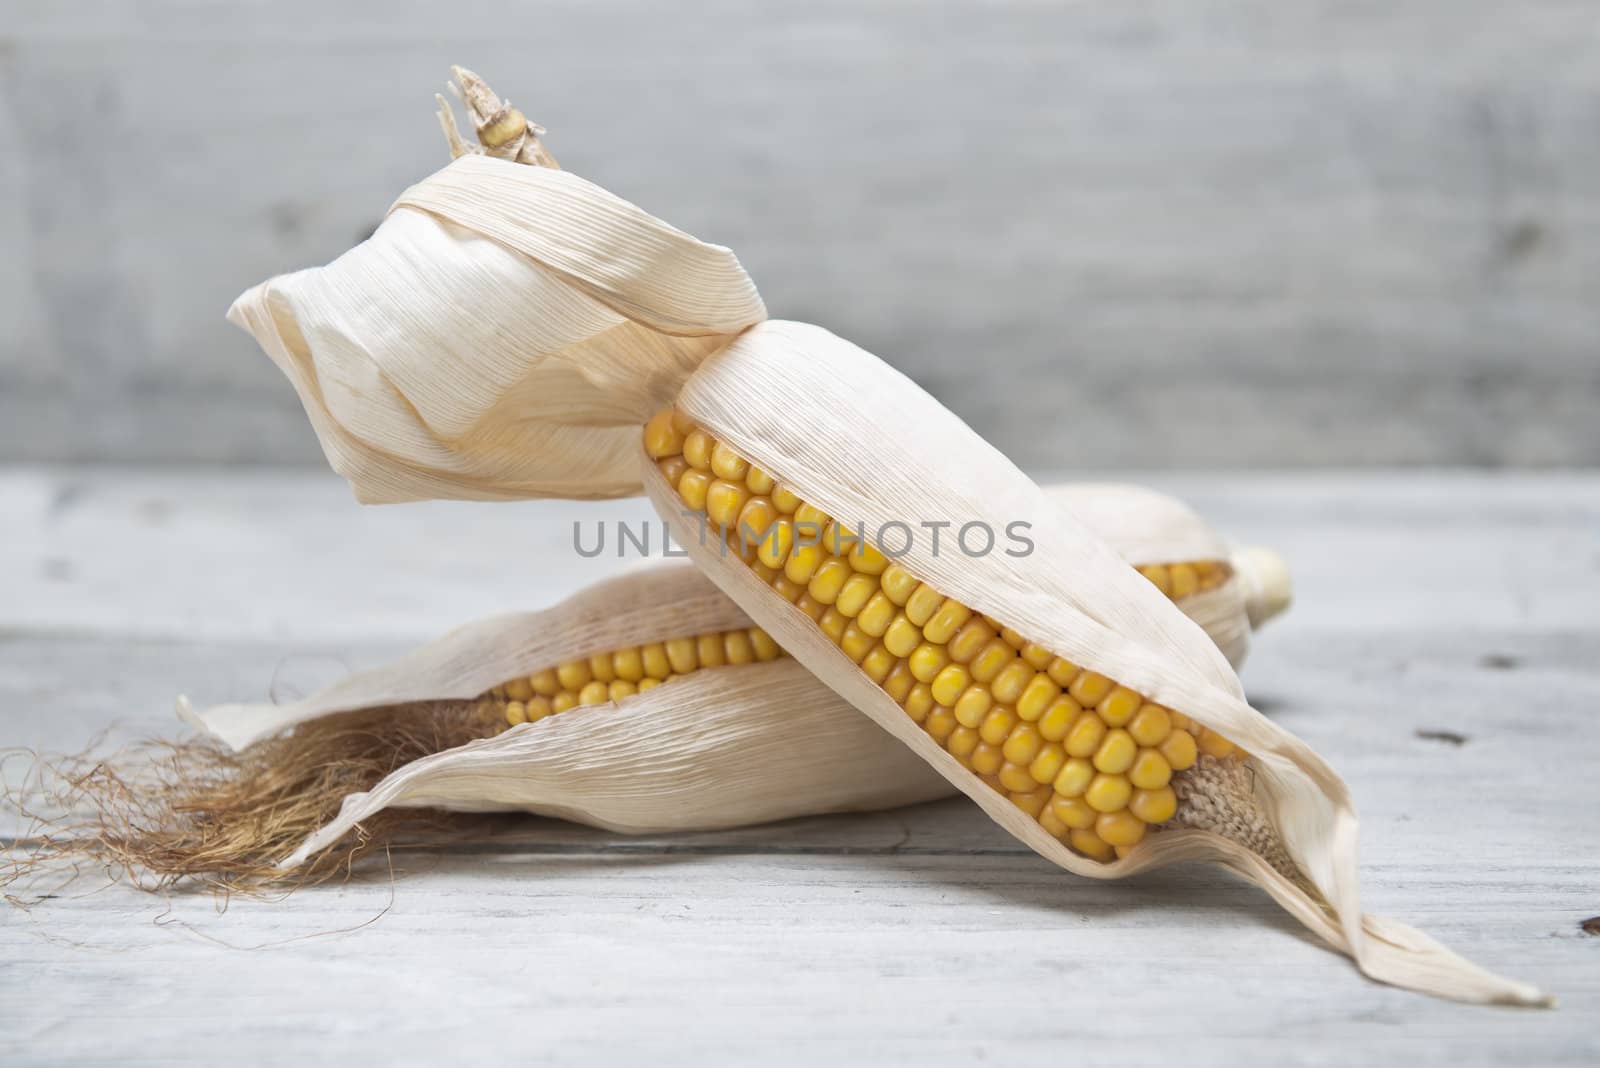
848, 433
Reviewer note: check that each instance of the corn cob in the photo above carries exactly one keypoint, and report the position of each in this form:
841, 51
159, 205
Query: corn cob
1090, 759
638, 318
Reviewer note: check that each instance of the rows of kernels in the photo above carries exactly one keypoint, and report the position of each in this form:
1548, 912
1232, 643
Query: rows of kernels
1181, 580
1092, 761
620, 673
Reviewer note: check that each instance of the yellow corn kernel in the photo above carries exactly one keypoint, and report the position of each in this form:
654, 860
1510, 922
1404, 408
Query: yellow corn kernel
755, 518
775, 546
765, 648
1012, 638
878, 662
537, 707
672, 469
1157, 574
855, 593
1037, 697
1154, 806
923, 603
1091, 845
813, 516
1085, 736
1052, 826
948, 685
727, 463
973, 704
1118, 707
600, 668
997, 725
709, 650
1120, 828
1023, 744
1180, 750
857, 643
595, 693
693, 487
697, 447
723, 501
1213, 744
1037, 656
784, 499
1028, 798
1117, 752
962, 741
868, 560
516, 713
939, 724
628, 664
1073, 812
621, 688
1184, 580
987, 759
829, 580
1089, 689
518, 689
973, 635
1074, 777
789, 591
681, 656
648, 683
810, 606
1151, 725
1012, 680
661, 437
899, 681
804, 560
736, 647
994, 656
759, 482
876, 615
574, 675
1048, 764
563, 701
1150, 770
927, 660
1061, 672
902, 636
1058, 718
898, 584
1108, 793
949, 618
545, 682
919, 702
832, 622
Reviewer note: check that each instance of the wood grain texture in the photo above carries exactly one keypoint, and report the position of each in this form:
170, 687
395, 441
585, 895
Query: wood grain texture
1347, 233
1457, 603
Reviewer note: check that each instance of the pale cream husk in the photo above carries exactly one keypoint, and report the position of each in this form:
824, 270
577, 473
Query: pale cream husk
843, 429
700, 754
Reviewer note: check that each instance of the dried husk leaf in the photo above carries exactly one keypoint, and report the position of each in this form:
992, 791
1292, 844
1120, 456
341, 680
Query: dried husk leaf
862, 442
527, 318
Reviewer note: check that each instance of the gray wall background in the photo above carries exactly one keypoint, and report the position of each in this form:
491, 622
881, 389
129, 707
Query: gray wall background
1256, 232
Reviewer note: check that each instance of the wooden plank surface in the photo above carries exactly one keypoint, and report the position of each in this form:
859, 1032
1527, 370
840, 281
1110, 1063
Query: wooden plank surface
1441, 602
1347, 232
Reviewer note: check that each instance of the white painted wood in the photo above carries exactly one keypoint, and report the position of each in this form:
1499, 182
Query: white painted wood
922, 933
1346, 232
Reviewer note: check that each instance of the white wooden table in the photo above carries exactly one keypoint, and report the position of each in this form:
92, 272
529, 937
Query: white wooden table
1428, 602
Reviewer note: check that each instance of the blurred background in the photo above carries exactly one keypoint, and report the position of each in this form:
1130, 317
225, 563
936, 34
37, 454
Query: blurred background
1130, 235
